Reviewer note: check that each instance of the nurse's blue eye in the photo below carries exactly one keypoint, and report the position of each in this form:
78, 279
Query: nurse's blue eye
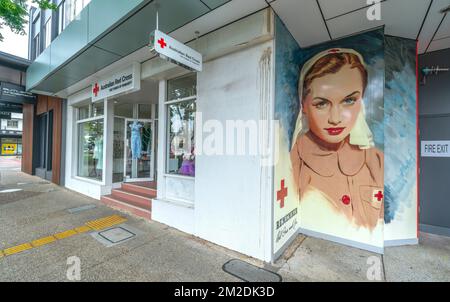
349, 101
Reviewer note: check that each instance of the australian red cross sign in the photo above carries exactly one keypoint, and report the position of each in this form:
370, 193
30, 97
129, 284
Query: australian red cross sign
176, 52
126, 80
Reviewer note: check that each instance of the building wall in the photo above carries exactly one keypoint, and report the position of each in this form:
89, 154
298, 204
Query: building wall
30, 136
228, 202
230, 208
400, 134
434, 110
27, 138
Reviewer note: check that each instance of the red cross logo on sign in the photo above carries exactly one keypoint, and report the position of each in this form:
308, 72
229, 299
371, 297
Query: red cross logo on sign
282, 194
96, 89
162, 43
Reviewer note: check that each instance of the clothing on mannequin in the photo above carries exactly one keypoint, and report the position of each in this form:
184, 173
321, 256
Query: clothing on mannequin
136, 140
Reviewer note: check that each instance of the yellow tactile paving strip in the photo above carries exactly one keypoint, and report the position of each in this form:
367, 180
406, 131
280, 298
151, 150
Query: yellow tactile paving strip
96, 225
106, 222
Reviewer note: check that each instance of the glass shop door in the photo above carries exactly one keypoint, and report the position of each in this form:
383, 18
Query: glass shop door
139, 150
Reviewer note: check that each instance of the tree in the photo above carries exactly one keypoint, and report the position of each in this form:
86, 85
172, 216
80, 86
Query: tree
14, 14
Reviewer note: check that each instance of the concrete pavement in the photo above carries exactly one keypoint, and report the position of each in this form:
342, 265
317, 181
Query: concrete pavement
33, 209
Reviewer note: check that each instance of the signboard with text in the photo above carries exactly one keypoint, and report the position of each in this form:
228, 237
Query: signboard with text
15, 94
176, 52
127, 80
5, 115
435, 149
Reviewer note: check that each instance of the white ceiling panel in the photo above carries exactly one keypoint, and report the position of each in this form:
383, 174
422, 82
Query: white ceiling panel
303, 19
431, 24
402, 18
439, 44
444, 30
221, 16
335, 8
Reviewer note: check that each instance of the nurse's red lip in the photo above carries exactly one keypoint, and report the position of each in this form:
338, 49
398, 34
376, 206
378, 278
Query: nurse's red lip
334, 131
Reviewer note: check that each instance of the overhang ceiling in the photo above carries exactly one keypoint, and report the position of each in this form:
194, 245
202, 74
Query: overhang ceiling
310, 21
316, 21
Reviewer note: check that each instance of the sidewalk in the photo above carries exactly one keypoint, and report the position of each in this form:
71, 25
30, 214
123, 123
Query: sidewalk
10, 163
159, 253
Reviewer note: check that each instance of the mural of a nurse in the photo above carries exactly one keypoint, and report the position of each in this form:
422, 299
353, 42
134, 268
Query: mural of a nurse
333, 152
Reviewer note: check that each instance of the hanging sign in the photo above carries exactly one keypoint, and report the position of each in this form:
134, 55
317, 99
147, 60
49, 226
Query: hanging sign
435, 148
125, 81
176, 52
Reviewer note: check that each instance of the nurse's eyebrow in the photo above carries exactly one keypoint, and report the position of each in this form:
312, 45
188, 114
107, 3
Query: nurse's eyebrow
352, 94
322, 99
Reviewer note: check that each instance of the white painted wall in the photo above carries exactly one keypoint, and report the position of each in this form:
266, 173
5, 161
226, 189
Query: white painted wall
229, 207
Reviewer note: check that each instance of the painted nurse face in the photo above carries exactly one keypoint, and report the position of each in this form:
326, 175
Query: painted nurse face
334, 103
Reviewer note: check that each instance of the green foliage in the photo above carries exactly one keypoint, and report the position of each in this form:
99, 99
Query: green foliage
14, 14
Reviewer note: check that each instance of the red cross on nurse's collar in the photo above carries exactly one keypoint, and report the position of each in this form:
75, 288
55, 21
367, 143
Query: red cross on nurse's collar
162, 43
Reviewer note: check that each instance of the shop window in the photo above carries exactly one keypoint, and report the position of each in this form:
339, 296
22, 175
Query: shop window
90, 126
145, 111
83, 112
181, 108
123, 110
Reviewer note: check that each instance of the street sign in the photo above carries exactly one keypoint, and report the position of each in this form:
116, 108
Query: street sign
176, 52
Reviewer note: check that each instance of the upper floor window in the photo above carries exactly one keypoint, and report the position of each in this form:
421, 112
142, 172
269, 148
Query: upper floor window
70, 10
48, 32
36, 28
12, 124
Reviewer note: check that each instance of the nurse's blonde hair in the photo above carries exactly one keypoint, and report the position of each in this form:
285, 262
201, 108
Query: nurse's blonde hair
328, 62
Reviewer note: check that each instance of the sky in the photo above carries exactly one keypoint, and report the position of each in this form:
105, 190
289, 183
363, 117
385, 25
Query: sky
15, 44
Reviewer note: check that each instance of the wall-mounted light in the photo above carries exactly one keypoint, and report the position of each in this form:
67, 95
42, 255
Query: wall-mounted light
427, 71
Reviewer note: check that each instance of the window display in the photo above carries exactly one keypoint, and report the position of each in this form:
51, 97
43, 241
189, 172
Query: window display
90, 149
181, 123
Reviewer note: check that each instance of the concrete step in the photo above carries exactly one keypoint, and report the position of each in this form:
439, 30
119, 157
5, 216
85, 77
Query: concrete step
139, 189
137, 200
121, 204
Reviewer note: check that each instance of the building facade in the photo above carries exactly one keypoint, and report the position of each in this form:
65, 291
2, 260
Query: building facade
209, 152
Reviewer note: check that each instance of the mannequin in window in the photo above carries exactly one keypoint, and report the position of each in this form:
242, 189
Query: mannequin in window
136, 140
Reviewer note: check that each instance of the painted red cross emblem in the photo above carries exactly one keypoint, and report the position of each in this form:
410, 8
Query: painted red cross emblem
96, 89
162, 43
379, 195
282, 194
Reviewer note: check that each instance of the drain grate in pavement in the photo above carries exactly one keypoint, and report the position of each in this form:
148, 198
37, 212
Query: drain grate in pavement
115, 235
250, 273
81, 209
